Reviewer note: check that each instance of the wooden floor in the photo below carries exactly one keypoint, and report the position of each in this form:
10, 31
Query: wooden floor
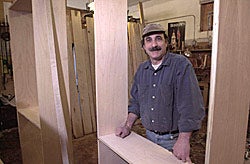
85, 150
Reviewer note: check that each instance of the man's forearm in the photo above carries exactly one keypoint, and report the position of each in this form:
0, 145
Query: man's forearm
185, 135
125, 129
181, 148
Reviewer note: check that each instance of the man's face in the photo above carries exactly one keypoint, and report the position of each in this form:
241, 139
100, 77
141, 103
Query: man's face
155, 46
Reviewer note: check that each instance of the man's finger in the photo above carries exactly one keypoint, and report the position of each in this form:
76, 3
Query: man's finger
118, 131
188, 160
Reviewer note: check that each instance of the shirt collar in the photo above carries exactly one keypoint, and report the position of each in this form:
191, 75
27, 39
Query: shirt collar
166, 61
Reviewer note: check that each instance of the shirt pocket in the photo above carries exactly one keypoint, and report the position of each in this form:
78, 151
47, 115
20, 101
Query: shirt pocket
143, 90
167, 94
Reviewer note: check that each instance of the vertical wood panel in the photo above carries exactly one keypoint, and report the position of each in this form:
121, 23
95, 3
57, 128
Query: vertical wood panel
230, 87
30, 134
111, 64
52, 97
21, 28
107, 156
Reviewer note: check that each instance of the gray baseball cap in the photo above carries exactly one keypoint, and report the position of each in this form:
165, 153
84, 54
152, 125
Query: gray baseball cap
151, 28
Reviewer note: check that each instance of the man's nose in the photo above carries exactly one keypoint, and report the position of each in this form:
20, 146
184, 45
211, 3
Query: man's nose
154, 43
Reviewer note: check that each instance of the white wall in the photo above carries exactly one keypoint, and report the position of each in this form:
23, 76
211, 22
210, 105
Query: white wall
6, 6
79, 4
162, 9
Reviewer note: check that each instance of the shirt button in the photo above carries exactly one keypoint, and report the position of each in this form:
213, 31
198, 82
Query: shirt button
152, 109
152, 121
155, 74
154, 85
153, 97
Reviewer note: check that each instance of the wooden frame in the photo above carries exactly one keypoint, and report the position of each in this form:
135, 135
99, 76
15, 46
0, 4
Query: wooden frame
111, 67
39, 49
227, 51
229, 87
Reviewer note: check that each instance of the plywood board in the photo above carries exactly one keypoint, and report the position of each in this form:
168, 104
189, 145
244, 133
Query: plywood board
111, 64
23, 59
229, 87
109, 156
141, 150
29, 134
52, 97
31, 114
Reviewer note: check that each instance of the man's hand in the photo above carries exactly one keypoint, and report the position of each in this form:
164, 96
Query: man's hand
122, 131
181, 148
125, 130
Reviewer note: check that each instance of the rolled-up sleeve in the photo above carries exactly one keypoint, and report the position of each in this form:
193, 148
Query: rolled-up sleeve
189, 101
133, 102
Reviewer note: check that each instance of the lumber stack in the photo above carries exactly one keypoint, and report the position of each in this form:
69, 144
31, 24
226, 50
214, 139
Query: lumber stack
136, 54
82, 95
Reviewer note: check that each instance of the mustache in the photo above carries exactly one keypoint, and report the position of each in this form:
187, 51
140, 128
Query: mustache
157, 48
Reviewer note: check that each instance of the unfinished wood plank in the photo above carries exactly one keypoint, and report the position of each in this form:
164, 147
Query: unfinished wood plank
140, 8
87, 80
31, 114
61, 84
23, 59
30, 141
77, 126
91, 44
109, 156
230, 87
51, 92
81, 50
61, 33
141, 150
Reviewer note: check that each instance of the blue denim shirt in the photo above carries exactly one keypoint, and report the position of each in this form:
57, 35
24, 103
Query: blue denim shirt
168, 98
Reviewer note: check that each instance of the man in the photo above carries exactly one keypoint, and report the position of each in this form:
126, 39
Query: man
165, 95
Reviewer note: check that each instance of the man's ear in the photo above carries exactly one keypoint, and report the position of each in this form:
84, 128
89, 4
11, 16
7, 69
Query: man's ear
142, 42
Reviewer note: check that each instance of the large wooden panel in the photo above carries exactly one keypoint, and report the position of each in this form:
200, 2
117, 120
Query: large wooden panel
52, 97
138, 150
230, 87
106, 155
31, 141
23, 59
111, 63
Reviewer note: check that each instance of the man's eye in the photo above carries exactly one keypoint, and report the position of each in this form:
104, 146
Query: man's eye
159, 38
148, 39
